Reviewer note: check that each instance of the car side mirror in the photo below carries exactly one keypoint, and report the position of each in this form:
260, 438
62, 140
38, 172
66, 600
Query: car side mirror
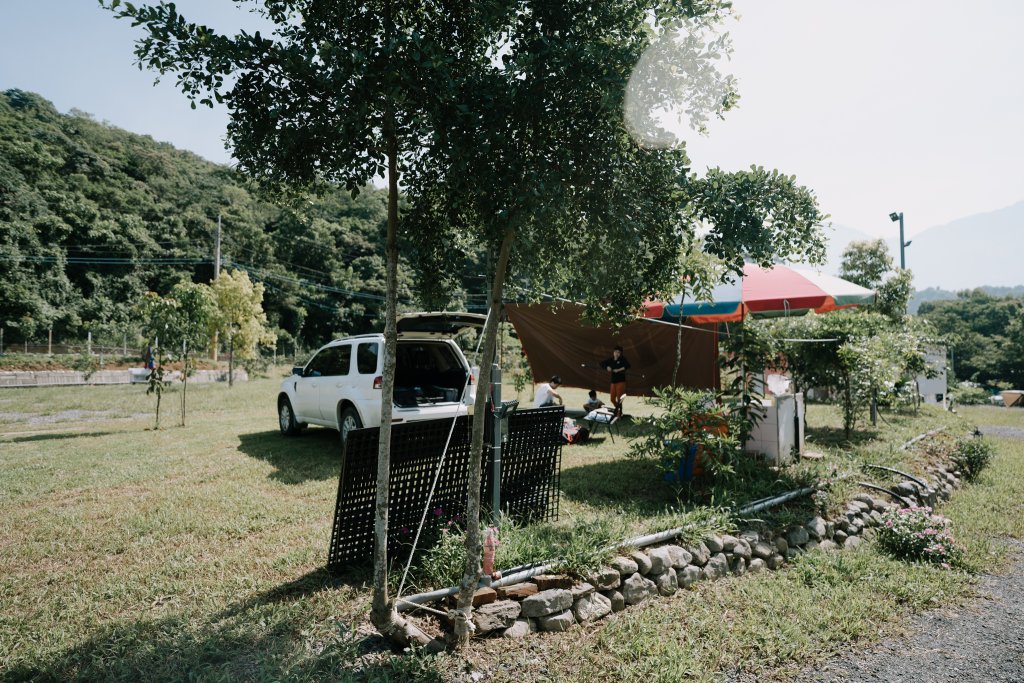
297, 370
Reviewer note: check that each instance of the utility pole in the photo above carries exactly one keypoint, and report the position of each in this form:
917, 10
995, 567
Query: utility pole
216, 274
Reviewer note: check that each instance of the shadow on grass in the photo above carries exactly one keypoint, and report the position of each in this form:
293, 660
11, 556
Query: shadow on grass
313, 455
53, 436
265, 638
831, 437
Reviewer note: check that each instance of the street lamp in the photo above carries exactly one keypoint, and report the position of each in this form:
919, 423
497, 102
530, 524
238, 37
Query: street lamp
899, 217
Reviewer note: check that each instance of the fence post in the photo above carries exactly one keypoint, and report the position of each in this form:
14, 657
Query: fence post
124, 344
49, 342
496, 442
88, 344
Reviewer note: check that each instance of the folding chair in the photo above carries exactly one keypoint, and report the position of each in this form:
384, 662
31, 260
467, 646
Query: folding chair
604, 416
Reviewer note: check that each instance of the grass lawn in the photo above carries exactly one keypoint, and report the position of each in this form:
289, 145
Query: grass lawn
196, 553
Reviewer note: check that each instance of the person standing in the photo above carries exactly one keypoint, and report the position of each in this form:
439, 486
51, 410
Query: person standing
616, 367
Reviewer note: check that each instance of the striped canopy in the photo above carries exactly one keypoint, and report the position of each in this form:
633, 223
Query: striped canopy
762, 292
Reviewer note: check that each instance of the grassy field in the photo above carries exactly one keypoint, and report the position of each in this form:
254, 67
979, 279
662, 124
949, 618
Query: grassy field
196, 553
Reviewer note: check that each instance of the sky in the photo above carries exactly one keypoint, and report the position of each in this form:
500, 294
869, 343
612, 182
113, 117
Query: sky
878, 106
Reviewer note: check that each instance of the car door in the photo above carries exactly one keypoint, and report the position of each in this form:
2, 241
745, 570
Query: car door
307, 387
336, 383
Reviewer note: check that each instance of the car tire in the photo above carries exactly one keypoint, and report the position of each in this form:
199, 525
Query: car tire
348, 420
286, 418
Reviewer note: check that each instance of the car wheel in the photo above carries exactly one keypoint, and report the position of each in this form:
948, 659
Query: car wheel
347, 421
286, 418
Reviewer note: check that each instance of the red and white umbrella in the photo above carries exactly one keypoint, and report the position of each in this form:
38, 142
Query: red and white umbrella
765, 292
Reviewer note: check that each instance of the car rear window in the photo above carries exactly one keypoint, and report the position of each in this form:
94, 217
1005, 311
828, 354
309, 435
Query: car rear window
366, 358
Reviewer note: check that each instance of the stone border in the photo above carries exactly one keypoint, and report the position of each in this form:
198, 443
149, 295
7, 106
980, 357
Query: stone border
554, 603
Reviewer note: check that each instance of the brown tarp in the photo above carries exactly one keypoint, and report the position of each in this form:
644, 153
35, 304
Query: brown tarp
556, 342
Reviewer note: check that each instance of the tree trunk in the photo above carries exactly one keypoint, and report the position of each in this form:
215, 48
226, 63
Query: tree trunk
231, 361
679, 343
382, 611
471, 574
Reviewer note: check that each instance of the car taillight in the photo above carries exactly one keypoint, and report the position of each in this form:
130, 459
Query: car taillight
378, 382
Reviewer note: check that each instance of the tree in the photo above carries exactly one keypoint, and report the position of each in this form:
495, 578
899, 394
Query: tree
865, 262
159, 317
194, 312
893, 295
239, 316
504, 122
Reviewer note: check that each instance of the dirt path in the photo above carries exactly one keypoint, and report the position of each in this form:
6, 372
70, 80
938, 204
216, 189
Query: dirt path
982, 642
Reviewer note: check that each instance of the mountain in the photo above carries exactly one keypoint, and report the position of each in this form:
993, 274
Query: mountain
981, 250
936, 294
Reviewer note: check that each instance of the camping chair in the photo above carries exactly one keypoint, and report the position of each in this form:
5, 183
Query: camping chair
605, 416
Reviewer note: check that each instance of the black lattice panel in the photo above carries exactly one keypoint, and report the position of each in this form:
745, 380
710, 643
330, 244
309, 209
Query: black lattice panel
530, 474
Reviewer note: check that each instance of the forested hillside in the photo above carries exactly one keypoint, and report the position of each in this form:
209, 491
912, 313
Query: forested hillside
92, 217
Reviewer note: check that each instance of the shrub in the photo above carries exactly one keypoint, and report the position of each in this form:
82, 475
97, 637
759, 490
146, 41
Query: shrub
972, 455
969, 394
916, 534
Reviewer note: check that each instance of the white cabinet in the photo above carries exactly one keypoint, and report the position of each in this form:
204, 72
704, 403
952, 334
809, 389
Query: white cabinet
779, 435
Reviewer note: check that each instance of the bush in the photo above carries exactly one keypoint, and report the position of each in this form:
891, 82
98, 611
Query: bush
915, 534
972, 455
969, 394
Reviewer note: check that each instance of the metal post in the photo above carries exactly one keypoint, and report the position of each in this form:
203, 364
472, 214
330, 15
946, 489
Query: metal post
874, 411
49, 342
216, 274
124, 344
903, 258
1, 341
496, 442
88, 344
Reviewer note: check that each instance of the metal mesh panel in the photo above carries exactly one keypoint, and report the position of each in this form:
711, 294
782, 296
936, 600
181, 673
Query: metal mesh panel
531, 462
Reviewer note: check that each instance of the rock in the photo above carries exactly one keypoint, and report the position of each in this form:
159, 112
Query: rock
717, 567
792, 554
810, 545
906, 488
624, 566
547, 602
757, 565
496, 616
636, 589
750, 536
548, 581
844, 526
738, 565
853, 542
742, 549
859, 505
762, 550
605, 578
866, 499
581, 590
643, 562
517, 591
797, 536
661, 560
857, 526
781, 545
520, 629
714, 543
689, 575
728, 543
874, 518
555, 623
667, 583
816, 528
830, 529
840, 537
618, 602
828, 546
484, 596
680, 556
591, 607
700, 554
775, 561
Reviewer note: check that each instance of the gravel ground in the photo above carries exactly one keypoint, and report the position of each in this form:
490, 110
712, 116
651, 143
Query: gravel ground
981, 642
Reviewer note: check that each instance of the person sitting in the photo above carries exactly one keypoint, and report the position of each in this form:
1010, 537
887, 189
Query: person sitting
592, 403
546, 394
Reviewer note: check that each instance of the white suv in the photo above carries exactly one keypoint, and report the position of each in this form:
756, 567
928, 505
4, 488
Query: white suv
340, 386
